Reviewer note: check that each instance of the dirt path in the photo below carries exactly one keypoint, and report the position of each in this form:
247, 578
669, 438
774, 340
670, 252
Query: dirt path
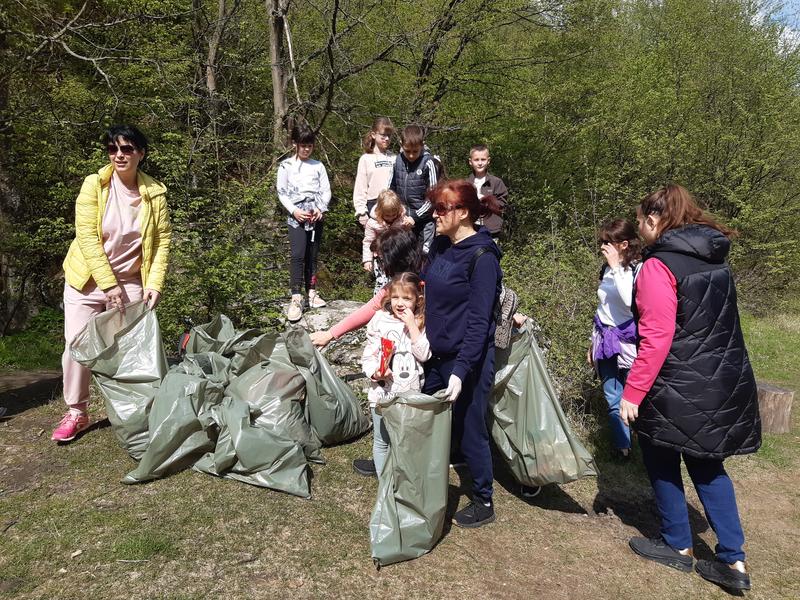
63, 511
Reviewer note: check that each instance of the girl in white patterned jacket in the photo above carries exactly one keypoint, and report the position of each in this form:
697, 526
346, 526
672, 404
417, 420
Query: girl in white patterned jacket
401, 321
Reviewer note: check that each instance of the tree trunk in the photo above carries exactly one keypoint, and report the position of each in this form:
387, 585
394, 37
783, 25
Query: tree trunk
277, 10
775, 406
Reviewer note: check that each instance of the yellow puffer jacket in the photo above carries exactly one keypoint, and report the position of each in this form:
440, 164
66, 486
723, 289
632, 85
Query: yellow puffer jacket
86, 258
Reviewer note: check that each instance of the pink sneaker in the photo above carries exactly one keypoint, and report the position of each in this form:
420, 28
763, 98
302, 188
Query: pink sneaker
69, 427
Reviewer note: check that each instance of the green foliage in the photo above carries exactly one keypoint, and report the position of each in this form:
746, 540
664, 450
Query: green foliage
38, 347
586, 106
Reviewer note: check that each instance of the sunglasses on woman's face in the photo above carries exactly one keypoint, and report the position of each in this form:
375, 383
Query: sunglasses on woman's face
126, 149
443, 209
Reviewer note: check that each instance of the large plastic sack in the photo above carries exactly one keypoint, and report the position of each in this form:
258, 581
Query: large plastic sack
126, 357
207, 365
331, 406
274, 392
253, 455
409, 513
177, 437
528, 425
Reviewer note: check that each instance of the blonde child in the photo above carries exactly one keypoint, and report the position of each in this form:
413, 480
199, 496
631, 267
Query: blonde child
401, 321
389, 211
374, 168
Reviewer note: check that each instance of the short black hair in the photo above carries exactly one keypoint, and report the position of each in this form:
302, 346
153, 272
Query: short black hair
400, 250
303, 134
128, 132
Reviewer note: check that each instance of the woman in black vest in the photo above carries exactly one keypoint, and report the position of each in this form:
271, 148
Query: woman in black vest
691, 391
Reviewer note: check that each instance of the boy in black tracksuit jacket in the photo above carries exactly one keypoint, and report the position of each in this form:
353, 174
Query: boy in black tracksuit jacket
414, 173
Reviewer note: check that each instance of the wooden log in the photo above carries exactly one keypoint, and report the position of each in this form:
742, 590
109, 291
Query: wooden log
775, 406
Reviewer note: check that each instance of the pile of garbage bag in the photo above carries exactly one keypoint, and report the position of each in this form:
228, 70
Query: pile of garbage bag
246, 405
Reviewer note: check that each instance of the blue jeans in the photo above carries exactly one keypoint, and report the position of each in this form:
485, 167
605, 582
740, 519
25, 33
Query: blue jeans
613, 379
714, 488
380, 441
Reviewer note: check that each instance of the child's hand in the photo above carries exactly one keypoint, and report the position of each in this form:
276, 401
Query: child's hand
321, 338
611, 255
368, 266
378, 377
363, 219
408, 221
408, 317
317, 215
301, 216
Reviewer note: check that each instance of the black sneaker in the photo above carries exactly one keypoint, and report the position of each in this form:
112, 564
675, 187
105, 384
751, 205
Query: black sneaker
656, 549
365, 467
722, 574
475, 514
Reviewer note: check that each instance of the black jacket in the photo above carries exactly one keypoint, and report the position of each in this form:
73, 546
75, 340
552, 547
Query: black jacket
704, 401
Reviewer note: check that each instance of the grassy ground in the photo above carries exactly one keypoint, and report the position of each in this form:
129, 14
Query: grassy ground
69, 529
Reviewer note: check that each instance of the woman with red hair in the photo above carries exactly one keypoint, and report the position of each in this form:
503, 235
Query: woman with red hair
462, 288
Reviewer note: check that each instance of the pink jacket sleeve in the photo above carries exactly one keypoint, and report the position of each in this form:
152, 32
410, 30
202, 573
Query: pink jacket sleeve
657, 303
360, 317
370, 233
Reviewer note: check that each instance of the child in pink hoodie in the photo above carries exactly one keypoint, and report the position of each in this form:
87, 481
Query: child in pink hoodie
388, 212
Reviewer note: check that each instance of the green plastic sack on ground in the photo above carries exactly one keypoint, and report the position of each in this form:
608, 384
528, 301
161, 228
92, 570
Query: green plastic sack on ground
528, 424
275, 392
208, 365
331, 406
177, 438
253, 455
126, 357
218, 336
409, 513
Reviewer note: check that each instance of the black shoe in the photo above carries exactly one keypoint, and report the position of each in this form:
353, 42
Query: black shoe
475, 514
656, 549
722, 574
365, 467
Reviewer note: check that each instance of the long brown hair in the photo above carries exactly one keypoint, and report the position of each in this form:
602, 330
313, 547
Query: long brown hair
676, 207
621, 230
409, 281
378, 125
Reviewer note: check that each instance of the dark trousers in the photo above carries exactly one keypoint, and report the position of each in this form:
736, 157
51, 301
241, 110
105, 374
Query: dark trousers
714, 488
469, 434
305, 248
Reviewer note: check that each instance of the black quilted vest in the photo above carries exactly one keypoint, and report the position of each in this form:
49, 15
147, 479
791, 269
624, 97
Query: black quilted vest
704, 401
411, 179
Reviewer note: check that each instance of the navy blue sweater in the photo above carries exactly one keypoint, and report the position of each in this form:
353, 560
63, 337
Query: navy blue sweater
459, 312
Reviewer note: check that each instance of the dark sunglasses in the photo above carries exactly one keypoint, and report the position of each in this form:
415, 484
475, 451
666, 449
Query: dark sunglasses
126, 149
443, 209
602, 243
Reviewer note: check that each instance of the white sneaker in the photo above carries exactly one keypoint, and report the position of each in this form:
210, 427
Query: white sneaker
295, 308
315, 300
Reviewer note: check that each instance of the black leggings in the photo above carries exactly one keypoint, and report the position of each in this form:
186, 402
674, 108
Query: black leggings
305, 248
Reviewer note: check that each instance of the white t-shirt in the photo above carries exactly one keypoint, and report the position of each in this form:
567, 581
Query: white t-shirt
615, 293
479, 184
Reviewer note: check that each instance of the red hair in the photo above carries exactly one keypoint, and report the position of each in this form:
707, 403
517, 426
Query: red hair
462, 193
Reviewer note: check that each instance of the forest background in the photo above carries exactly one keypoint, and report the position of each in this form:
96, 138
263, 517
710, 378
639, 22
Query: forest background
586, 105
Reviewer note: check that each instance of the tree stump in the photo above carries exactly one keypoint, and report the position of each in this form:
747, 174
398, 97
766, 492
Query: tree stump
775, 406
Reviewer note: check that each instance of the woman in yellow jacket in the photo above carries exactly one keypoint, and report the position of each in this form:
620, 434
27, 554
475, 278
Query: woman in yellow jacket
119, 255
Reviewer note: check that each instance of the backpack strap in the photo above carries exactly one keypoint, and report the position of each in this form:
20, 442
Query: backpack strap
478, 253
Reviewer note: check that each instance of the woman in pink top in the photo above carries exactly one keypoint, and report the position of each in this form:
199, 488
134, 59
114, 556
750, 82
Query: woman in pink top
119, 255
690, 394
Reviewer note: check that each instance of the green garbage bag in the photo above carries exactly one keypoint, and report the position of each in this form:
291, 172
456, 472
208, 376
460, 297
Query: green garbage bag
409, 513
253, 455
218, 336
331, 406
177, 437
126, 357
527, 422
275, 392
207, 365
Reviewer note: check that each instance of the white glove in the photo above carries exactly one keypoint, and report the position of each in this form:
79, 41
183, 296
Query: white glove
453, 388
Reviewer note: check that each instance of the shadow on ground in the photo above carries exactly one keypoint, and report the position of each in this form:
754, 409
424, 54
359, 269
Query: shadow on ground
25, 390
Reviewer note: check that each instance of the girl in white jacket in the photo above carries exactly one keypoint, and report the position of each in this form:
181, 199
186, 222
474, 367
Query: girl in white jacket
402, 322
